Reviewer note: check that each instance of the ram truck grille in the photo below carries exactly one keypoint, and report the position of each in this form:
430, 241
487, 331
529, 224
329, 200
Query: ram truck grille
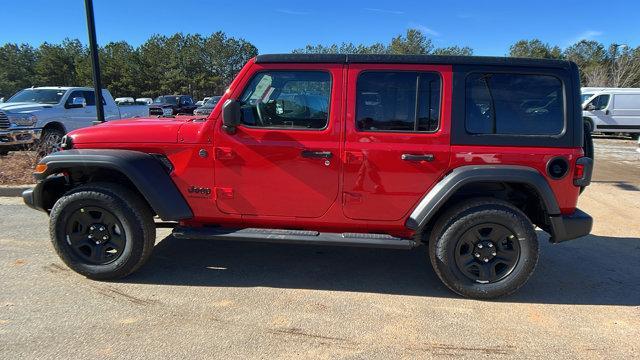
155, 111
4, 121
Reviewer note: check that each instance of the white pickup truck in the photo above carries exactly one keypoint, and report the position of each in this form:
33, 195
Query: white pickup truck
46, 114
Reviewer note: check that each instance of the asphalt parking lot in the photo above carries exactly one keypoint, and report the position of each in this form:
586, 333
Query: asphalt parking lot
204, 299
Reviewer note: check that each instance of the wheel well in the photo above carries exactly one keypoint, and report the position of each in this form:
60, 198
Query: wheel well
86, 175
55, 125
522, 196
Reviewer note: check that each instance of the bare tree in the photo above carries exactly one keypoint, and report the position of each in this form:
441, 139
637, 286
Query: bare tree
625, 66
596, 76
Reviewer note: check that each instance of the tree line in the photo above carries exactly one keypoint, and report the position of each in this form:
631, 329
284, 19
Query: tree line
205, 65
186, 64
615, 65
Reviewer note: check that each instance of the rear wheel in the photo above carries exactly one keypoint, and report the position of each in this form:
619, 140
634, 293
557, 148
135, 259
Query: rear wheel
483, 248
102, 231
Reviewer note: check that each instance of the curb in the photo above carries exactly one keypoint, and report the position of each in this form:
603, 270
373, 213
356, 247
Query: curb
13, 190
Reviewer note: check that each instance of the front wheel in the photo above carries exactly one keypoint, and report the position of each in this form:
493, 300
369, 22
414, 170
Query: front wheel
102, 231
50, 142
484, 248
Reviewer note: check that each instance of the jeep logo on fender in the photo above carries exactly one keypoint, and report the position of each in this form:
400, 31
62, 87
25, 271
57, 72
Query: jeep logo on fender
199, 191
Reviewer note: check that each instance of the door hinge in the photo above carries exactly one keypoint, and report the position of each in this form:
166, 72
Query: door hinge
224, 193
224, 153
351, 198
354, 157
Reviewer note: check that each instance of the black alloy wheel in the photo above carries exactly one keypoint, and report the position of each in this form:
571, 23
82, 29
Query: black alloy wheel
487, 253
95, 235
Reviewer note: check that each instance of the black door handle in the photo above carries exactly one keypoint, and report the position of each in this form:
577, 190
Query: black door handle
316, 154
413, 157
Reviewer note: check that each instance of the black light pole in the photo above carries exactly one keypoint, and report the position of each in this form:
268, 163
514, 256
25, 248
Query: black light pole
93, 47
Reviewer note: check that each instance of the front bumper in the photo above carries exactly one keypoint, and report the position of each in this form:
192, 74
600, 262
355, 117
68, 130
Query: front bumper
37, 198
569, 227
12, 137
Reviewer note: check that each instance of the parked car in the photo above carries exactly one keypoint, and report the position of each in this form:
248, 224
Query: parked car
169, 105
465, 154
200, 103
147, 101
206, 109
125, 100
48, 113
612, 110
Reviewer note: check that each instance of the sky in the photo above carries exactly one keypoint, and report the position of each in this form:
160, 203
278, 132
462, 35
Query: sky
279, 26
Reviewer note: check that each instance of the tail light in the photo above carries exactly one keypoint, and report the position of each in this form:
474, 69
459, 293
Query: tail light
582, 171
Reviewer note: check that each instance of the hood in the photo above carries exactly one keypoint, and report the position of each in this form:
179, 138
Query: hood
23, 106
139, 130
160, 105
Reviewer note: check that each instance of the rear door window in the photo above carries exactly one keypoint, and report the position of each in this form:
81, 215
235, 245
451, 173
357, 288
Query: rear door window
397, 101
514, 104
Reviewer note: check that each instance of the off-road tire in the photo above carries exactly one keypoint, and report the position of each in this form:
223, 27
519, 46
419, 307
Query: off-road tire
455, 222
128, 208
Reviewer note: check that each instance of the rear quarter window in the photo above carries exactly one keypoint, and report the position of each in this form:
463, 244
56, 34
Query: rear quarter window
514, 104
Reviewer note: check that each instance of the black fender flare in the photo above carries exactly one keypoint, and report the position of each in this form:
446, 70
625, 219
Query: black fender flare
146, 172
432, 201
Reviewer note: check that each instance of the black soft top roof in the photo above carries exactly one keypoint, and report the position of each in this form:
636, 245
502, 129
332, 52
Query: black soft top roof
410, 59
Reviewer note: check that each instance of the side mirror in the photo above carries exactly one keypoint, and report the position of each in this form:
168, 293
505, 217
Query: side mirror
231, 116
77, 102
590, 107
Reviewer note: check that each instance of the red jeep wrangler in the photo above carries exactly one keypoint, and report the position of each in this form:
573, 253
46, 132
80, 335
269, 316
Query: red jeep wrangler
465, 154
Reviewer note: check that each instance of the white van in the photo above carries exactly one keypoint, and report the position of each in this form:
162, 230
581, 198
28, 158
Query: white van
612, 110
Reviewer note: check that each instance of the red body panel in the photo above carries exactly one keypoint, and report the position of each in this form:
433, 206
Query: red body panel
261, 172
377, 183
259, 179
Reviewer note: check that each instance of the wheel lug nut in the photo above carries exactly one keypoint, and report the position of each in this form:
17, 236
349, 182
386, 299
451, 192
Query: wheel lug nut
490, 245
97, 242
477, 255
90, 236
479, 246
92, 228
493, 253
105, 237
486, 260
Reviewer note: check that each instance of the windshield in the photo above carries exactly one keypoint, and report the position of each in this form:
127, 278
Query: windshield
40, 96
173, 100
212, 101
586, 97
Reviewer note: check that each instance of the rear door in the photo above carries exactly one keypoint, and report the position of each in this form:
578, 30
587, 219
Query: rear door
397, 137
283, 160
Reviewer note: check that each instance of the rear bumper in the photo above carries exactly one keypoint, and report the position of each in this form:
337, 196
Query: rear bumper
570, 227
19, 136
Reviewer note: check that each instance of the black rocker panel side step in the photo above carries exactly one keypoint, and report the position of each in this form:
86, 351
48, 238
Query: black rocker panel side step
294, 237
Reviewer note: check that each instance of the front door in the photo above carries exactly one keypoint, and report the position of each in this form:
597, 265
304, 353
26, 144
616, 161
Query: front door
599, 108
284, 159
397, 137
